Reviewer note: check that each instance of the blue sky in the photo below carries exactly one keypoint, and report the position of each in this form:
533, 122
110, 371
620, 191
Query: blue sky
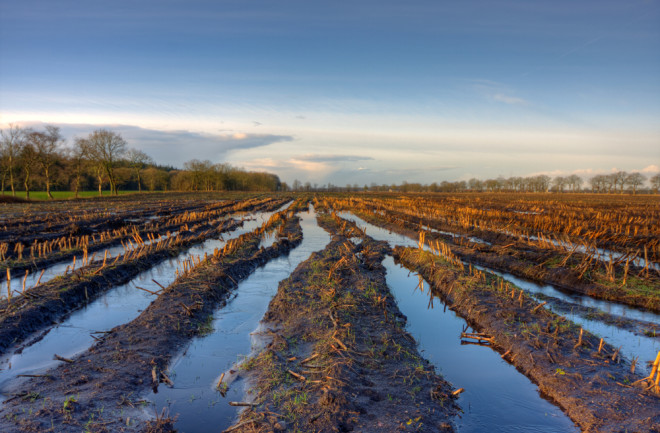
347, 91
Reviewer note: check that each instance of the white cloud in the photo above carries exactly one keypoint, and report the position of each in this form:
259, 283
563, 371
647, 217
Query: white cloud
509, 99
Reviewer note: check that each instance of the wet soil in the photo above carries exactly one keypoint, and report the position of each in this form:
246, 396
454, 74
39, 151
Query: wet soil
593, 387
637, 327
340, 358
96, 390
531, 264
52, 301
165, 223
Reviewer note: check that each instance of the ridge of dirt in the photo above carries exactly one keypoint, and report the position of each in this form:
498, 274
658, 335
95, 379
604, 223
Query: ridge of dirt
143, 229
589, 385
53, 300
340, 359
507, 260
95, 390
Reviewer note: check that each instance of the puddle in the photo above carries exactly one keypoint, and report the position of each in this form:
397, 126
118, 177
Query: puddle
118, 305
645, 348
497, 397
59, 268
200, 407
252, 221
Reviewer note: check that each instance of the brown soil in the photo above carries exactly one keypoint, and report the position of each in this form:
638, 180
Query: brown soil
160, 226
53, 300
589, 386
529, 263
340, 358
96, 391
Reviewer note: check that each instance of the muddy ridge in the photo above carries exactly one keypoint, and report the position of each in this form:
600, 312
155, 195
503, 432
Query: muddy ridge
525, 264
149, 227
340, 358
53, 300
97, 390
588, 381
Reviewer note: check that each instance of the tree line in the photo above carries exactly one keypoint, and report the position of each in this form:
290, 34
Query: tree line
31, 158
603, 183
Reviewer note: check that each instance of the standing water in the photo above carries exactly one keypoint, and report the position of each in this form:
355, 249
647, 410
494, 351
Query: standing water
497, 397
118, 305
194, 398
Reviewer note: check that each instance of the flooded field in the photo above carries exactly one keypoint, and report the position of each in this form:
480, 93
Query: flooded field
322, 312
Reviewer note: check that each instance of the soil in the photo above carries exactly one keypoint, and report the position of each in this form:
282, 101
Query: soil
528, 263
595, 388
52, 301
637, 327
167, 223
340, 358
96, 390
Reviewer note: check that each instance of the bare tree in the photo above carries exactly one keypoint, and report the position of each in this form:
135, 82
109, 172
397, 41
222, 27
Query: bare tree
106, 148
12, 141
45, 145
559, 183
138, 160
575, 182
635, 179
78, 155
655, 182
29, 159
620, 179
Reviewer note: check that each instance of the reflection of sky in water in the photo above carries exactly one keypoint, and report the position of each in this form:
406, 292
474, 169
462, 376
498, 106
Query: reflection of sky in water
632, 345
118, 305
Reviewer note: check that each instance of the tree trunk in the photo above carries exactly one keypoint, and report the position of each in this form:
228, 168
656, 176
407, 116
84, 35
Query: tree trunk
26, 182
47, 174
139, 182
100, 177
11, 178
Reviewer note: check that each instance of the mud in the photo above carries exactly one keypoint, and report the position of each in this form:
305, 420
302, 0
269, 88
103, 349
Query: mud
595, 388
50, 302
530, 264
96, 391
340, 358
163, 224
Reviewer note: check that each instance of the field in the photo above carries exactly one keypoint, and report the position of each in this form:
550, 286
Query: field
331, 312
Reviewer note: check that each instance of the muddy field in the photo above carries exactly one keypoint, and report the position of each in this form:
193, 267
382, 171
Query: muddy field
259, 313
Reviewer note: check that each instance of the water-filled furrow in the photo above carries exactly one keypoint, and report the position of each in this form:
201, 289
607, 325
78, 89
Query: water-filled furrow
118, 305
57, 269
199, 406
497, 397
632, 345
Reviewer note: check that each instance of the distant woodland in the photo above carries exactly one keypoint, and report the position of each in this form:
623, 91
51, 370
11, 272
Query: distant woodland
41, 160
32, 159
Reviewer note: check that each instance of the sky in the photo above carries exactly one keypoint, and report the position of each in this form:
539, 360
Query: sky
340, 91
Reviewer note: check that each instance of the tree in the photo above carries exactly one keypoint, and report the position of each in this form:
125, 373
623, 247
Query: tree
78, 159
559, 183
12, 141
575, 182
28, 160
655, 182
45, 145
619, 178
106, 148
138, 160
634, 180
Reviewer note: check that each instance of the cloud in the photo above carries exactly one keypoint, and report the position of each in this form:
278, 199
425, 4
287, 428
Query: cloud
509, 99
650, 169
333, 158
174, 147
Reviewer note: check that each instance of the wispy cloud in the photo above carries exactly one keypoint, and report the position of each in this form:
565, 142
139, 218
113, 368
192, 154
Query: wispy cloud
509, 99
333, 158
